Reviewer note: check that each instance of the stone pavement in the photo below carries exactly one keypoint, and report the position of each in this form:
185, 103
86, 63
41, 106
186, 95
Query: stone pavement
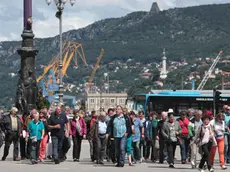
86, 165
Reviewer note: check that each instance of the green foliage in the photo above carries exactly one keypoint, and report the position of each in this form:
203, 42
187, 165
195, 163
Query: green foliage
42, 102
186, 33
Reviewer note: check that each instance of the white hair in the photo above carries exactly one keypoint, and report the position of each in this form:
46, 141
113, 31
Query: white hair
36, 114
14, 109
102, 114
191, 110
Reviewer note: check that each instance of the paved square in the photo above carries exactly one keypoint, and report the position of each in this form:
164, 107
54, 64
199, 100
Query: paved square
86, 165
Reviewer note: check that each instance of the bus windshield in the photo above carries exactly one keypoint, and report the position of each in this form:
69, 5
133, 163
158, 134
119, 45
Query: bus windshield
139, 103
139, 106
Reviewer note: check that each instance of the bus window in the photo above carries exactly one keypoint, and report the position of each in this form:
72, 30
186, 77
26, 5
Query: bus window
151, 106
139, 106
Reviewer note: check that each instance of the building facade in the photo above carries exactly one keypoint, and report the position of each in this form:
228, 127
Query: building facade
104, 100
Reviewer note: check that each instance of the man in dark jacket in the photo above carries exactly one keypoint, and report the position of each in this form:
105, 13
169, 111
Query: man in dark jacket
58, 125
160, 137
110, 147
12, 127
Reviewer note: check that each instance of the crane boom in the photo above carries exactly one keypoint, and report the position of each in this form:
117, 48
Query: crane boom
207, 75
65, 67
95, 68
67, 51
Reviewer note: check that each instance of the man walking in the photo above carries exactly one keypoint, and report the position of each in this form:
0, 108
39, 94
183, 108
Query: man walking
160, 137
12, 127
57, 123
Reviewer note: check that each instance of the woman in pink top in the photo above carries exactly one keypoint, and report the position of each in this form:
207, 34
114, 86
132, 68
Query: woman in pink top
78, 132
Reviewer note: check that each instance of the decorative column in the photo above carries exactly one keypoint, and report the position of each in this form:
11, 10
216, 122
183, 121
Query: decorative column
27, 90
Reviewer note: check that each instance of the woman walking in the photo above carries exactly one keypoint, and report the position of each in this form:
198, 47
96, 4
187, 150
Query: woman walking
98, 134
218, 125
129, 146
171, 132
78, 132
35, 132
205, 140
43, 144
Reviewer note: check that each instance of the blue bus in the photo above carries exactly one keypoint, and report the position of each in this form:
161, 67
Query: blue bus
178, 100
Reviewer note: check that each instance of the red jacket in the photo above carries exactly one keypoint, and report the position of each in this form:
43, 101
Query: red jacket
184, 126
73, 127
92, 122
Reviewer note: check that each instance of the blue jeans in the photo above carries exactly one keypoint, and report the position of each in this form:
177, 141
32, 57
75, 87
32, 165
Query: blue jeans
142, 146
184, 148
227, 147
120, 144
136, 151
57, 142
34, 154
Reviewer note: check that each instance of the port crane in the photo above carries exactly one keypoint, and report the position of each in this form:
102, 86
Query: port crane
71, 51
89, 83
49, 84
207, 75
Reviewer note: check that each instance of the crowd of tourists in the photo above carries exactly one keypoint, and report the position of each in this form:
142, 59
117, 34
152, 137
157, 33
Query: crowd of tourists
116, 134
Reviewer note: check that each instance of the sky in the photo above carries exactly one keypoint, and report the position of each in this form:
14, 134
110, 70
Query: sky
83, 13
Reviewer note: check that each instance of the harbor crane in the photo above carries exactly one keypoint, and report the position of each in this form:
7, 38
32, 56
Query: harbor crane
207, 75
89, 83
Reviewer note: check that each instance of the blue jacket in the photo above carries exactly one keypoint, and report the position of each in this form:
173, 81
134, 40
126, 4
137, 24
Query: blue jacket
147, 127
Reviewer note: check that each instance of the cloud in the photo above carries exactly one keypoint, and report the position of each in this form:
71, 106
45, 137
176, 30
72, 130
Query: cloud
80, 15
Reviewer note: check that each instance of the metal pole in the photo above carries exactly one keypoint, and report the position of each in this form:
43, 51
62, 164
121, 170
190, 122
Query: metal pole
101, 98
60, 8
108, 84
214, 102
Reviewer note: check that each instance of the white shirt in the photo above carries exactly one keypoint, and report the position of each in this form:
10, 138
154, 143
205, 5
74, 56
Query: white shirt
102, 127
219, 129
197, 124
206, 133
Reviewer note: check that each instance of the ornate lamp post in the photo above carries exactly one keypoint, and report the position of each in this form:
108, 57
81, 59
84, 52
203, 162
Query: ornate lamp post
60, 7
27, 91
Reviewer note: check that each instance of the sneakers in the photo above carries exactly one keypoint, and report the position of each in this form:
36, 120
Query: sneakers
223, 167
33, 161
193, 164
205, 167
171, 166
211, 170
201, 170
41, 160
56, 161
17, 159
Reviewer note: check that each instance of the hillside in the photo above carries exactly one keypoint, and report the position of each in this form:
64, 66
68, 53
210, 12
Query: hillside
186, 33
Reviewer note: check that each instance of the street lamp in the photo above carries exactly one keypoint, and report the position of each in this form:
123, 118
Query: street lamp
106, 75
60, 7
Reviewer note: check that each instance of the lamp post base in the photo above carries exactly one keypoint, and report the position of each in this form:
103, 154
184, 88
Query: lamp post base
26, 98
